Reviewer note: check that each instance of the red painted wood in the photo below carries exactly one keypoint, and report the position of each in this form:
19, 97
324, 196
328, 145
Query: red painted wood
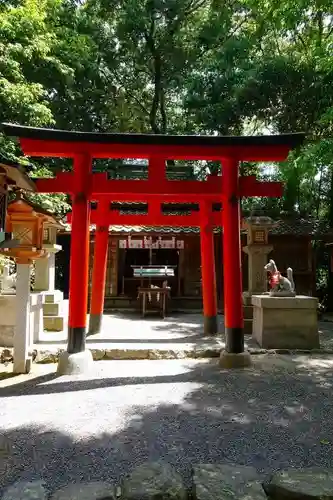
99, 270
185, 191
114, 218
250, 186
79, 263
232, 264
35, 147
63, 182
207, 261
156, 168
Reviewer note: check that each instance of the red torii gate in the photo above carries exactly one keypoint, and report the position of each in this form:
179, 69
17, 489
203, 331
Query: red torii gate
83, 186
206, 219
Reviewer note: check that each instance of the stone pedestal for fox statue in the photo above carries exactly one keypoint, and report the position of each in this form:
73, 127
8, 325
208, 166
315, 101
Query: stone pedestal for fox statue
282, 319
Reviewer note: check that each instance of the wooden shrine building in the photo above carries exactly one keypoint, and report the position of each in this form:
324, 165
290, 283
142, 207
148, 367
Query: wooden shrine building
143, 245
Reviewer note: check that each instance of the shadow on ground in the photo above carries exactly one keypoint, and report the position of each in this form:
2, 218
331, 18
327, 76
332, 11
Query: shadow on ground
278, 414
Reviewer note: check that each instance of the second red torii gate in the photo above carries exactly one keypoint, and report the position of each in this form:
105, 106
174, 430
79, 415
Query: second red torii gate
84, 185
103, 217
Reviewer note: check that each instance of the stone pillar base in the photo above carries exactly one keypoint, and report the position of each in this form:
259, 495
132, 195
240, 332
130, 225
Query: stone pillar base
285, 322
75, 364
22, 366
95, 323
231, 360
210, 325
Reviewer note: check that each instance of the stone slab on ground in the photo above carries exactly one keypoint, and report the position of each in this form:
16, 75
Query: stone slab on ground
301, 484
96, 490
154, 481
226, 482
26, 490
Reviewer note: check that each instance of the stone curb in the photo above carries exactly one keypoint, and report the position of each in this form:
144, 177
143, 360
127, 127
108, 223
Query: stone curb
46, 357
160, 480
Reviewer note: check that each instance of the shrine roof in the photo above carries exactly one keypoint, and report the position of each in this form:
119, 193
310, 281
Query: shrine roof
16, 173
47, 134
284, 227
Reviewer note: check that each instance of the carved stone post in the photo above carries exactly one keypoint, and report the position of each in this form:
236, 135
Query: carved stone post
257, 249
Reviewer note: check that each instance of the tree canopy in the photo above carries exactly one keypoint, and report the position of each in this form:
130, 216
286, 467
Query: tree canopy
177, 66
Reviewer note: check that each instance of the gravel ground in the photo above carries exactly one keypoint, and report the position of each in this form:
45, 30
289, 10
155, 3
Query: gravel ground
277, 414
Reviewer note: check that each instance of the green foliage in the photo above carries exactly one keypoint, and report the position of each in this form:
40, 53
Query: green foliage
176, 66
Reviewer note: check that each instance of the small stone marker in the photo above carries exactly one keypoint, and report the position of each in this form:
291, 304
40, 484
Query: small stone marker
301, 484
154, 481
26, 490
226, 482
95, 490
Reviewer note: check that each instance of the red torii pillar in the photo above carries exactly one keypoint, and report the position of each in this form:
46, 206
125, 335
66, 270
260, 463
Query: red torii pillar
99, 275
208, 270
232, 266
79, 258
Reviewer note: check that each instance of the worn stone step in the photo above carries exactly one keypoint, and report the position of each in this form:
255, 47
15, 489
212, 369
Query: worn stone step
53, 323
52, 309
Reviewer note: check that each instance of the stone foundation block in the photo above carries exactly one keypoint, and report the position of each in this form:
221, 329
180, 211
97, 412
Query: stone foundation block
232, 360
285, 322
75, 364
152, 481
226, 482
301, 484
26, 490
94, 490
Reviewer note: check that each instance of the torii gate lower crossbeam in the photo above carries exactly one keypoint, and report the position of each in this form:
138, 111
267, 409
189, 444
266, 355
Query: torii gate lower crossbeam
83, 185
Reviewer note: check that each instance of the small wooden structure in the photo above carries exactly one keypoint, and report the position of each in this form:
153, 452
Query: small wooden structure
153, 297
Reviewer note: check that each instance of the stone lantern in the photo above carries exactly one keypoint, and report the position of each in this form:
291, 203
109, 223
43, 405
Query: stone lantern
257, 249
26, 223
45, 268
